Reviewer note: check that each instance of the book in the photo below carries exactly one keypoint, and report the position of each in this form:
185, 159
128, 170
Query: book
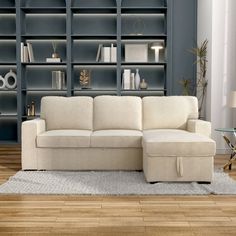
30, 52
126, 79
22, 52
106, 54
26, 54
53, 59
113, 53
99, 52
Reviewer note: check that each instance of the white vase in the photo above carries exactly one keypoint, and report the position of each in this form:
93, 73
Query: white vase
137, 79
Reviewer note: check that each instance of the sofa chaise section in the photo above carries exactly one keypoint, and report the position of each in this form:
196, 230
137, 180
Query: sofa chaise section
176, 146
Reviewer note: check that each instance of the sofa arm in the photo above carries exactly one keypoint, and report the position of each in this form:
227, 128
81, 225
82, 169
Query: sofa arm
30, 130
199, 126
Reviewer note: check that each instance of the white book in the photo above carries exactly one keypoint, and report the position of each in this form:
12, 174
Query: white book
126, 79
99, 52
26, 54
113, 53
30, 51
22, 52
53, 59
106, 54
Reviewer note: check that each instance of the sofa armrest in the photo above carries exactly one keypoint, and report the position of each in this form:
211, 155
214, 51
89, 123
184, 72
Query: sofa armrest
199, 126
30, 130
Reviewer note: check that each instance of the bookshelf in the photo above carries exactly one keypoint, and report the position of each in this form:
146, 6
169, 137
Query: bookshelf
78, 27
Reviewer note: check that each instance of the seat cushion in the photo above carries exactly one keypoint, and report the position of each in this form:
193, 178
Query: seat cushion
117, 139
117, 112
177, 143
67, 112
64, 139
170, 112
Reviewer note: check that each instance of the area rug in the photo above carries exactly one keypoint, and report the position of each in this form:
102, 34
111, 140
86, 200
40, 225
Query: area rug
108, 183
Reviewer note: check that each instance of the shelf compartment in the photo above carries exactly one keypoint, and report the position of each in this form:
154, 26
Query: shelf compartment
8, 10
94, 93
43, 10
143, 24
102, 78
143, 4
153, 75
93, 10
143, 10
43, 49
151, 54
95, 36
8, 51
8, 129
143, 93
93, 3
85, 51
8, 103
39, 78
8, 24
44, 36
44, 24
43, 3
7, 4
94, 24
36, 96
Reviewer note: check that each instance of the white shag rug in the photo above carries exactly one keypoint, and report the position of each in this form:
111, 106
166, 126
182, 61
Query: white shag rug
108, 183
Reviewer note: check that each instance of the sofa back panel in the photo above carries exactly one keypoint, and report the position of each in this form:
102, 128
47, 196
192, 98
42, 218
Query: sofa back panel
67, 112
169, 112
117, 112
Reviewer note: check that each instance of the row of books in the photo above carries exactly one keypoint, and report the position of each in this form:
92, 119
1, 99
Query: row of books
27, 54
106, 54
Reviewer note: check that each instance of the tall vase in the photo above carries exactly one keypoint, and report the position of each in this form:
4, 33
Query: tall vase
137, 79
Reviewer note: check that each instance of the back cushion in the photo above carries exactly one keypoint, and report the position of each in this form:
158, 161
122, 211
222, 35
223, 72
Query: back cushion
67, 112
117, 112
169, 112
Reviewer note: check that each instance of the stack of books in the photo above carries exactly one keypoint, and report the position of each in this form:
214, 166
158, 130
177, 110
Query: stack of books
106, 54
27, 54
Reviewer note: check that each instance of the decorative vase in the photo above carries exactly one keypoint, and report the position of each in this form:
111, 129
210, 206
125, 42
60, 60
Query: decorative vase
2, 83
137, 79
10, 79
143, 84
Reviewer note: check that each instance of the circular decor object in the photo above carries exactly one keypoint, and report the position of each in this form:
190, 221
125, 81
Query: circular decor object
10, 79
2, 83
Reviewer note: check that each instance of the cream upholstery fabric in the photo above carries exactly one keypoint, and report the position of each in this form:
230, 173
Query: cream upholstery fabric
64, 138
117, 139
200, 127
115, 112
165, 168
168, 112
89, 159
30, 130
177, 143
67, 112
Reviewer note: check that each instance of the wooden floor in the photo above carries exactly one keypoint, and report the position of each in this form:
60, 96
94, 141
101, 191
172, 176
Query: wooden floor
133, 215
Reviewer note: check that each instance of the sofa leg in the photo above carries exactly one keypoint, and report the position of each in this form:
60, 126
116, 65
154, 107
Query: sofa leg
204, 182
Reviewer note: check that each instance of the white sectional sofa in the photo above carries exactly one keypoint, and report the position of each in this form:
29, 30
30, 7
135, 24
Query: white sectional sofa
159, 135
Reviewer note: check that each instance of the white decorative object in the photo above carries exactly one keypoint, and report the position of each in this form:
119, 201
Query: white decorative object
137, 79
106, 54
113, 53
53, 60
157, 46
132, 81
10, 80
136, 52
2, 83
126, 79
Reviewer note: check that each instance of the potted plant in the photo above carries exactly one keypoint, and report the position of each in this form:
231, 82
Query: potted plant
201, 82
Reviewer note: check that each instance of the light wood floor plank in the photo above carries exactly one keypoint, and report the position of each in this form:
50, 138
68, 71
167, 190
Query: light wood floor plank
211, 215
